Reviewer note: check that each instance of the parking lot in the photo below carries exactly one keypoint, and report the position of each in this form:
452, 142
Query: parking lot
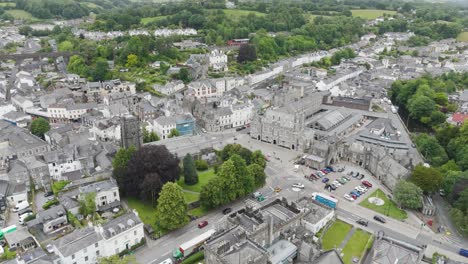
344, 185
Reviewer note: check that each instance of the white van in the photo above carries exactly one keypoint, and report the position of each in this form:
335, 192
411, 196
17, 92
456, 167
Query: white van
167, 261
20, 206
24, 216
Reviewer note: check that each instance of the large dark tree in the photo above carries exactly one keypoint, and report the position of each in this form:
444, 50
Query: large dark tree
246, 53
147, 170
190, 172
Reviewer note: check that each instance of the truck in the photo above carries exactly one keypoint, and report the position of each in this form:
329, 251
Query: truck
394, 110
20, 206
7, 230
325, 200
192, 245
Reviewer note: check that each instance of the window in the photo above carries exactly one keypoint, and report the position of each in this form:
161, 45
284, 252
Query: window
97, 252
135, 232
96, 245
115, 194
86, 258
73, 256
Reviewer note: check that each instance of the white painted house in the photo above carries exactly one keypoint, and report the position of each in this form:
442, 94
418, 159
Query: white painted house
218, 60
60, 162
163, 126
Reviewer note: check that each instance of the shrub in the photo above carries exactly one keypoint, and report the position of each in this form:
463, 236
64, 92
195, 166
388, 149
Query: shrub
50, 203
201, 165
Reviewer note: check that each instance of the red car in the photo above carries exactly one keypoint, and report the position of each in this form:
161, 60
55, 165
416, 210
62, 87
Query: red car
202, 224
367, 184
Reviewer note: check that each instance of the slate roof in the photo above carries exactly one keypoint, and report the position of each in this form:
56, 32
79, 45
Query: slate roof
77, 240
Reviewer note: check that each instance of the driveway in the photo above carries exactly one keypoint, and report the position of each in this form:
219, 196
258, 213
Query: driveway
39, 200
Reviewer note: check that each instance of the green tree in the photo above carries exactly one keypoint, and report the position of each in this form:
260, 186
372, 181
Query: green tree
451, 165
115, 259
39, 127
172, 208
462, 201
174, 133
213, 194
227, 171
88, 204
78, 66
149, 136
132, 61
101, 70
408, 195
428, 179
431, 150
437, 118
245, 181
460, 219
259, 158
184, 75
420, 106
190, 173
201, 165
258, 173
65, 46
122, 157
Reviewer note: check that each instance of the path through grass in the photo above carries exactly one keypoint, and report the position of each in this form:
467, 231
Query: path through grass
335, 235
355, 246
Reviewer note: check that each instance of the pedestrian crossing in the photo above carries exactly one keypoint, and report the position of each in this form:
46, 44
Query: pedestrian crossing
452, 240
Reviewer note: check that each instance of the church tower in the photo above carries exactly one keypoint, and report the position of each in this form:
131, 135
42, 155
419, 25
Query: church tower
130, 133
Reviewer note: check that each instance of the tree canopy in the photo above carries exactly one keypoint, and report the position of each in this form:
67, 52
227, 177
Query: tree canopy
408, 195
190, 172
146, 171
427, 178
39, 127
172, 207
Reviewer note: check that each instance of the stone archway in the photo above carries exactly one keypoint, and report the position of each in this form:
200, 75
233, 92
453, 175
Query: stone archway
274, 141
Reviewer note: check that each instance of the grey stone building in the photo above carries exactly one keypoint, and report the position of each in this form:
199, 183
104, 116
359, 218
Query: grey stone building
130, 132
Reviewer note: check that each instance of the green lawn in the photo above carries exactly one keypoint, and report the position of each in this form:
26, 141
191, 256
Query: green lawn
146, 212
236, 13
355, 246
203, 178
463, 37
389, 208
191, 197
371, 13
147, 20
7, 4
335, 235
200, 211
20, 14
91, 5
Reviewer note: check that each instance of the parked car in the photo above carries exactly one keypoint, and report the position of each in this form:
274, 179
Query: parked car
340, 169
348, 197
354, 196
356, 193
227, 211
324, 171
325, 180
342, 181
351, 173
333, 186
336, 183
330, 168
202, 224
47, 194
277, 189
362, 222
367, 184
298, 185
354, 175
360, 177
347, 178
379, 219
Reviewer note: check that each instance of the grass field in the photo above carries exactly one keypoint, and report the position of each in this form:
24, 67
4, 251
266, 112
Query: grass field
389, 208
203, 178
463, 37
146, 212
7, 4
335, 235
371, 13
20, 14
191, 197
147, 20
355, 246
236, 13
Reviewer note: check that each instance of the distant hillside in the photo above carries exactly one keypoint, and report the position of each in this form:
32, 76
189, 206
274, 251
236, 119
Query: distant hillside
67, 9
